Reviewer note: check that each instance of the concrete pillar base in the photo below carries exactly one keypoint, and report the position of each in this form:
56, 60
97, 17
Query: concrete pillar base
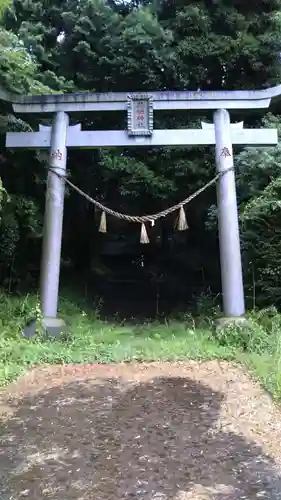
52, 327
225, 322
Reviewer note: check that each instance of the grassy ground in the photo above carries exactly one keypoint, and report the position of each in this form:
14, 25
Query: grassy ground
91, 340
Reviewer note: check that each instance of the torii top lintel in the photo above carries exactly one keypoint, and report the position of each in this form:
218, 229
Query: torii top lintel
166, 100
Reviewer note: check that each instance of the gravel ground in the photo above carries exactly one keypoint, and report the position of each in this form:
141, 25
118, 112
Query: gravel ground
157, 431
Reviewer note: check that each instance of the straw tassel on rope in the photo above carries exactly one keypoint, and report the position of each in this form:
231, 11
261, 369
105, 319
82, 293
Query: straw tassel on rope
103, 228
143, 236
182, 222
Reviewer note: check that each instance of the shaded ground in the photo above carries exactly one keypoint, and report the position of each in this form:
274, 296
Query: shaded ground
149, 432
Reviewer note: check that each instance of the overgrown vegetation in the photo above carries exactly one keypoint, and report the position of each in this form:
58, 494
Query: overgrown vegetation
92, 340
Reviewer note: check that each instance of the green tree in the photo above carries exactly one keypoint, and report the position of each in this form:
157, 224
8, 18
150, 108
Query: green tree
259, 184
21, 219
4, 4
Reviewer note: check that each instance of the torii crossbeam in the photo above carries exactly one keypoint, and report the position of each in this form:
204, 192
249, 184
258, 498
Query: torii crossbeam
140, 108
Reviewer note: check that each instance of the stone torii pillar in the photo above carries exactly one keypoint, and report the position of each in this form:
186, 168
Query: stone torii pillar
229, 239
53, 223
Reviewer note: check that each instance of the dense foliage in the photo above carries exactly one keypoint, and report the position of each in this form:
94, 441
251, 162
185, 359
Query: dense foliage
94, 45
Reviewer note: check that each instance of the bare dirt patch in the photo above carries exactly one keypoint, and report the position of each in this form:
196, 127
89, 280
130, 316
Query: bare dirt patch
139, 431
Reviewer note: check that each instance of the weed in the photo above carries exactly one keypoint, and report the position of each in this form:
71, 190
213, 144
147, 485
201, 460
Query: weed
91, 340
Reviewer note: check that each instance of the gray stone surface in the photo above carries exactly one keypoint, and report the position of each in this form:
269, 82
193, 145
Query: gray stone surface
53, 220
52, 327
226, 322
88, 101
230, 254
119, 138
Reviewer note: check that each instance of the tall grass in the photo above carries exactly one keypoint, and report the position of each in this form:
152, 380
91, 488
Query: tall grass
91, 340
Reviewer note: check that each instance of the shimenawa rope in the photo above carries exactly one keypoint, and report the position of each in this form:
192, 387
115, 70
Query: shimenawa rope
141, 219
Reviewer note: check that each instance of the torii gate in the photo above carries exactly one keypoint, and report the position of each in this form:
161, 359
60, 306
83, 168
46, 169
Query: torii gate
140, 108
